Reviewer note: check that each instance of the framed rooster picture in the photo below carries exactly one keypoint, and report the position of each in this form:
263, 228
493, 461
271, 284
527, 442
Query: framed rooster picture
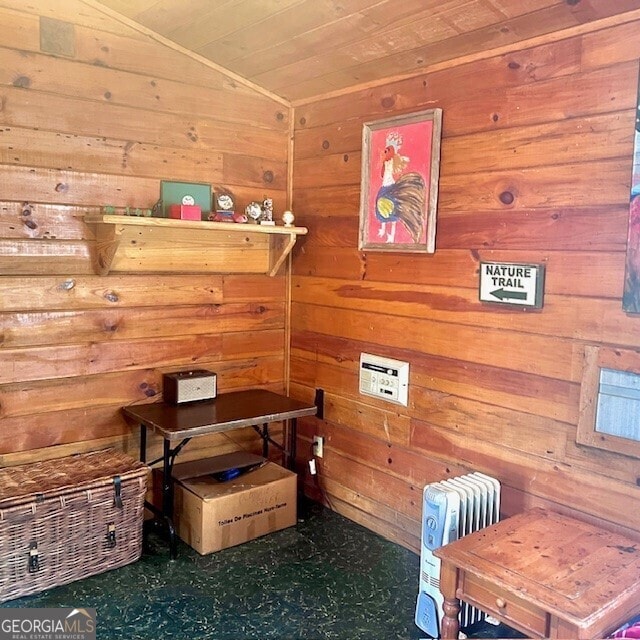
399, 188
631, 295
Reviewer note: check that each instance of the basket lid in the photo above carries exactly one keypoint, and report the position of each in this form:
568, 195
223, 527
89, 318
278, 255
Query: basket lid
52, 478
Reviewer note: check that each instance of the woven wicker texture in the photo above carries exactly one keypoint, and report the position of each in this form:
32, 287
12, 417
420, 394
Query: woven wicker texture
65, 527
49, 478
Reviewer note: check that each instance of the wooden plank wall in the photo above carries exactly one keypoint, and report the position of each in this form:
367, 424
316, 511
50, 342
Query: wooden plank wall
103, 126
536, 167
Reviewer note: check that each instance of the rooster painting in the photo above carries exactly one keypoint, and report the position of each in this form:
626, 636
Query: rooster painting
631, 296
399, 187
402, 195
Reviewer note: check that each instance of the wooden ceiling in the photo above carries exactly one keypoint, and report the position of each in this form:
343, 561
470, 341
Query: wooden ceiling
299, 49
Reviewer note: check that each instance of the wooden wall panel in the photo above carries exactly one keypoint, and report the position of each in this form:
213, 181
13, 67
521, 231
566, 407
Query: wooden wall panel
518, 390
567, 316
492, 388
64, 114
52, 328
41, 72
104, 127
495, 347
74, 11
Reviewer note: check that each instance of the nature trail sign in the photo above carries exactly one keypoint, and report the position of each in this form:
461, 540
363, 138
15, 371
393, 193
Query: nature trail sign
512, 283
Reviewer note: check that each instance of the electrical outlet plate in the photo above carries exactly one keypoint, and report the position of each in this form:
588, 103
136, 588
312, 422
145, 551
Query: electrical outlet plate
318, 446
384, 378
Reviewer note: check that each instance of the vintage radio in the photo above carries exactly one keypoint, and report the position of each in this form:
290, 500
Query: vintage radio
188, 386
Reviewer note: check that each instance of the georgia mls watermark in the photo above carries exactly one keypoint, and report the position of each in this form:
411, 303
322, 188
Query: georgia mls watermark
47, 624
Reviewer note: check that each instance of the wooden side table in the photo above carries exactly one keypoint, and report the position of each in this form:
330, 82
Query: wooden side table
544, 574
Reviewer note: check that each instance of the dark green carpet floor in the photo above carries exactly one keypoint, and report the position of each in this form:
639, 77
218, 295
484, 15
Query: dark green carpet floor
326, 578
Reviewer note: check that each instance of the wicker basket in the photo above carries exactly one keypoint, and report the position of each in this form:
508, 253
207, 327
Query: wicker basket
63, 520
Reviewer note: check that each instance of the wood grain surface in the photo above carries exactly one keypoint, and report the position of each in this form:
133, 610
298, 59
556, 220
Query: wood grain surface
104, 127
536, 161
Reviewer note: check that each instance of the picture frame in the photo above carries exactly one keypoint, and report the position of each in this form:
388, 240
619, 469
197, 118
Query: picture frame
175, 192
600, 401
631, 294
399, 183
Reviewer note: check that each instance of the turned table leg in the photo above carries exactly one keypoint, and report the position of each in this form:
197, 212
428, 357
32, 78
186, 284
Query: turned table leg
448, 585
450, 623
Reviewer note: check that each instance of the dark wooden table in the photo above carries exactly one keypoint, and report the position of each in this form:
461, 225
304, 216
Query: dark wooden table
180, 423
547, 575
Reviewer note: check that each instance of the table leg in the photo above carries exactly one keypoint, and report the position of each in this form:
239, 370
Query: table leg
167, 499
288, 446
293, 441
448, 584
265, 440
143, 443
162, 516
167, 502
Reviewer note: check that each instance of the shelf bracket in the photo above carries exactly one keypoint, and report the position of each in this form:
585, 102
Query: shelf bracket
279, 254
108, 238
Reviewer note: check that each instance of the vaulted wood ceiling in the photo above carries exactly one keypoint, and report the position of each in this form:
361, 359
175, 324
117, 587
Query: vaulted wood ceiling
298, 49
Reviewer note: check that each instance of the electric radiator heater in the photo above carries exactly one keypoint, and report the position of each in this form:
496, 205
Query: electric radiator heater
451, 509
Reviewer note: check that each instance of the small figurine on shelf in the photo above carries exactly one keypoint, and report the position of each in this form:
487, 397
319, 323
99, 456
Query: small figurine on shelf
224, 207
224, 202
254, 212
131, 211
186, 209
267, 212
240, 217
288, 218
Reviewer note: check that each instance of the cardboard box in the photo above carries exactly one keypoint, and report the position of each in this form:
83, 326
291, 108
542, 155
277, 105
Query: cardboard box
210, 515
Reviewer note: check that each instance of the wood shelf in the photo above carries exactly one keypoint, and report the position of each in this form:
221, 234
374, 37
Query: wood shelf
164, 245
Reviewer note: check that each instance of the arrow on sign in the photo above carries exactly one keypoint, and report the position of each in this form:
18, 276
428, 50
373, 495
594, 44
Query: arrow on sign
501, 294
